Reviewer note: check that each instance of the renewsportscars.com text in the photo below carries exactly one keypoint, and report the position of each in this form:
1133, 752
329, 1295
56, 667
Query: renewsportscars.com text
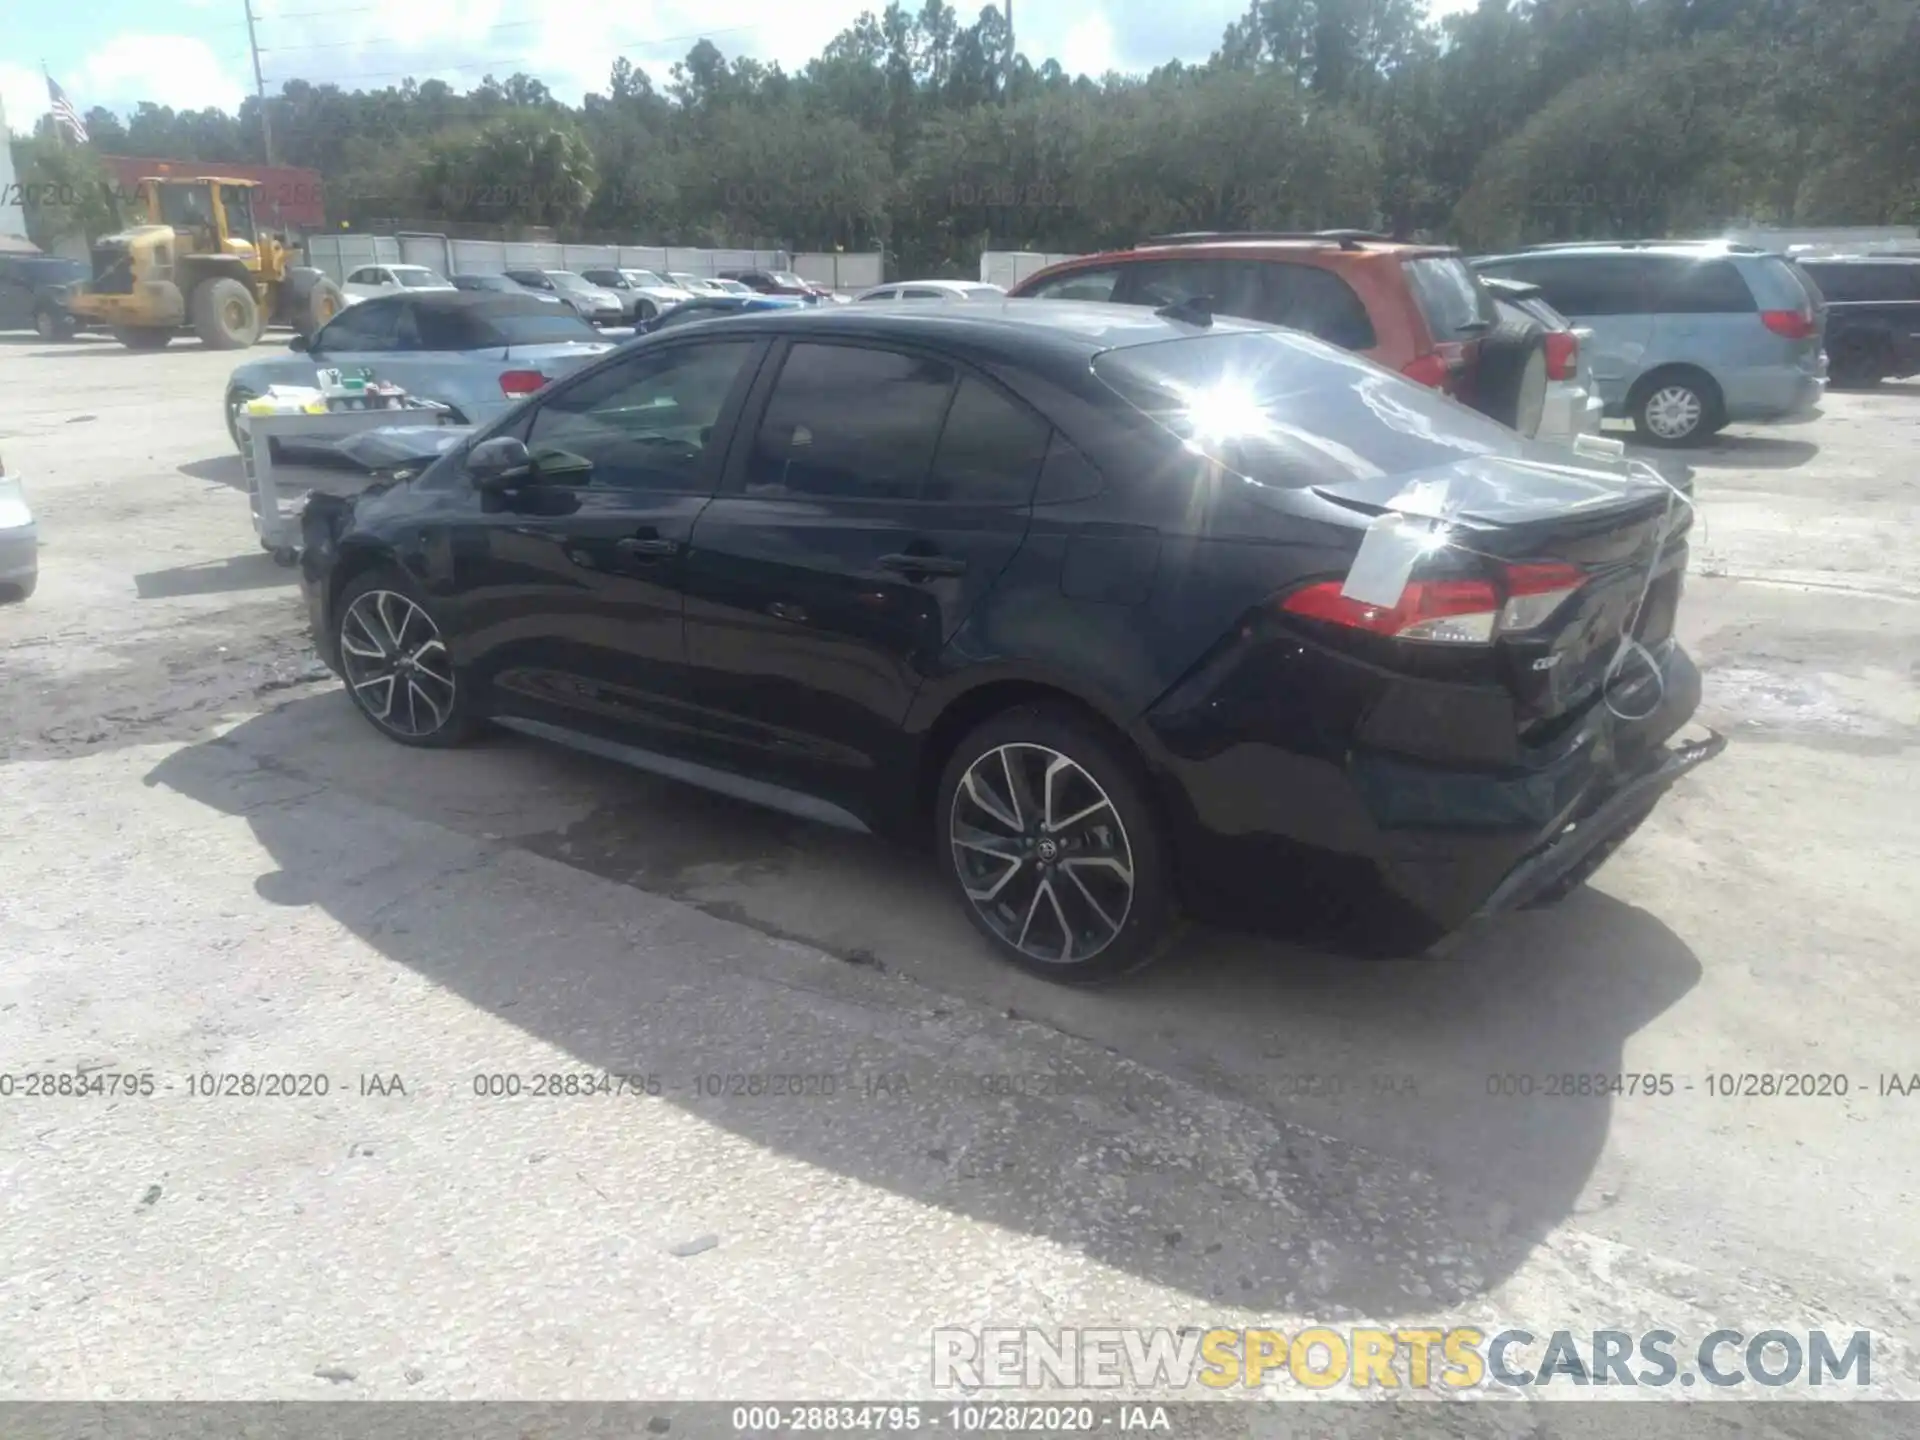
1461, 1358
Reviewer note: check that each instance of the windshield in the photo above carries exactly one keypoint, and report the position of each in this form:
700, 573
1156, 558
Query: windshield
1290, 411
567, 280
420, 279
789, 279
646, 277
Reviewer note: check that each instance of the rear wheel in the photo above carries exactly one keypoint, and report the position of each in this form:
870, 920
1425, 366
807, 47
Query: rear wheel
1675, 408
1044, 827
144, 337
398, 669
225, 314
49, 325
18, 590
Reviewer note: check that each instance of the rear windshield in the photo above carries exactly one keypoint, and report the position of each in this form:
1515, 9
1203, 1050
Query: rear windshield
1454, 302
1777, 284
545, 326
1288, 412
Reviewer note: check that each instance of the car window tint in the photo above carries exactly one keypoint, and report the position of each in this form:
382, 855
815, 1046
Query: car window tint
1700, 287
990, 451
440, 329
368, 325
646, 424
850, 422
1847, 283
1453, 302
1234, 286
919, 294
362, 277
1319, 302
1585, 285
1078, 285
406, 329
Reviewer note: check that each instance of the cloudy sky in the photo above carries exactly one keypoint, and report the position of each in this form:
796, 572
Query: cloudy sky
193, 53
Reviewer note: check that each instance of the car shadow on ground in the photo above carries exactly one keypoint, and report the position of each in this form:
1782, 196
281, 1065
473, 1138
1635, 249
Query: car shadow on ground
1753, 452
237, 572
1439, 1072
221, 470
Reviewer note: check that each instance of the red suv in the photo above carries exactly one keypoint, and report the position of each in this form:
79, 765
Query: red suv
1418, 309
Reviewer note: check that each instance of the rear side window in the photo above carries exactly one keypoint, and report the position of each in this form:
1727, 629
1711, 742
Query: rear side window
1320, 303
1078, 285
1845, 283
1700, 287
447, 329
990, 451
1302, 297
1454, 303
554, 325
849, 422
1585, 285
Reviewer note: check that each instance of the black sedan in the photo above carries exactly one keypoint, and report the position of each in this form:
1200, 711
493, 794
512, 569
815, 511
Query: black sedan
1098, 600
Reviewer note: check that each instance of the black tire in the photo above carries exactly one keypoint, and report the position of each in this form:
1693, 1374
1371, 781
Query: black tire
1117, 925
18, 590
52, 325
322, 302
1858, 362
1657, 406
225, 314
1510, 383
144, 337
349, 630
644, 310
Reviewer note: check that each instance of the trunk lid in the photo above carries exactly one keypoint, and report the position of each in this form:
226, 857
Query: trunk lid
1610, 523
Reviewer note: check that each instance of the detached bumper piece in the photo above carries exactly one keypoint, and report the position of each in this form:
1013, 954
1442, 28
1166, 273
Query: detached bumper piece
1585, 842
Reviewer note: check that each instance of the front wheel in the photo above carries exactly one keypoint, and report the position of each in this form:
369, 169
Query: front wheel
1045, 829
395, 661
51, 326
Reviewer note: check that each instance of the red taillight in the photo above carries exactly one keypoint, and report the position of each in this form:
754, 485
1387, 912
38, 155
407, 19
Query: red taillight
1431, 370
1447, 611
521, 382
1563, 355
1790, 324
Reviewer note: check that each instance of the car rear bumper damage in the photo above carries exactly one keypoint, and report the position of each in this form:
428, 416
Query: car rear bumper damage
1374, 851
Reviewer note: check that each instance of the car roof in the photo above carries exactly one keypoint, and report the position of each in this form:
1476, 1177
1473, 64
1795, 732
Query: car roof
1668, 249
1855, 259
1012, 330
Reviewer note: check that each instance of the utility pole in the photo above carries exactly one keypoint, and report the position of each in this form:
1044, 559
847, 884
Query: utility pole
259, 86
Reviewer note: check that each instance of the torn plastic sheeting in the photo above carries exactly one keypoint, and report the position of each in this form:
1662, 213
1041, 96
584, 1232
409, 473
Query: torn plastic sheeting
395, 445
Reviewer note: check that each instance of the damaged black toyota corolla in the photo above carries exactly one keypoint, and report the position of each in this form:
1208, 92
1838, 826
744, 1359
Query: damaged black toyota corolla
1069, 590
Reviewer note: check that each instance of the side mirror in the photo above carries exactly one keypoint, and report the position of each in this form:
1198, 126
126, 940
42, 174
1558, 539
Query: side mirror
300, 344
501, 463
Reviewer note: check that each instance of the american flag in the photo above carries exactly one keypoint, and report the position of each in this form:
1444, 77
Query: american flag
64, 112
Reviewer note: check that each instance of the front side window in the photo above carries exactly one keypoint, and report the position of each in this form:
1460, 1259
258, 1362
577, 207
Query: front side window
645, 424
848, 422
370, 325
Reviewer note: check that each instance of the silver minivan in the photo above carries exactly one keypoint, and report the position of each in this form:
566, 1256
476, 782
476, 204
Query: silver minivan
1687, 336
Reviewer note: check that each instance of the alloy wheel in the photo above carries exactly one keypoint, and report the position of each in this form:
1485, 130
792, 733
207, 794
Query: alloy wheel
1042, 854
1674, 412
396, 664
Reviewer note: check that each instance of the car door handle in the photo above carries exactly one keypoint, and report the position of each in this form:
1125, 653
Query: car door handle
647, 547
911, 565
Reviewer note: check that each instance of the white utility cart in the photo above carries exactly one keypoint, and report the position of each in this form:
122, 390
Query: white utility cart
277, 527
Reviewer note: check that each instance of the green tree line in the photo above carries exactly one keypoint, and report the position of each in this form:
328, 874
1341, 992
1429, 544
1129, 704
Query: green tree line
1520, 120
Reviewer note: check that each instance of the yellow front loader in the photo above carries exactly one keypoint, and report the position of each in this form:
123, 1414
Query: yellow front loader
194, 257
